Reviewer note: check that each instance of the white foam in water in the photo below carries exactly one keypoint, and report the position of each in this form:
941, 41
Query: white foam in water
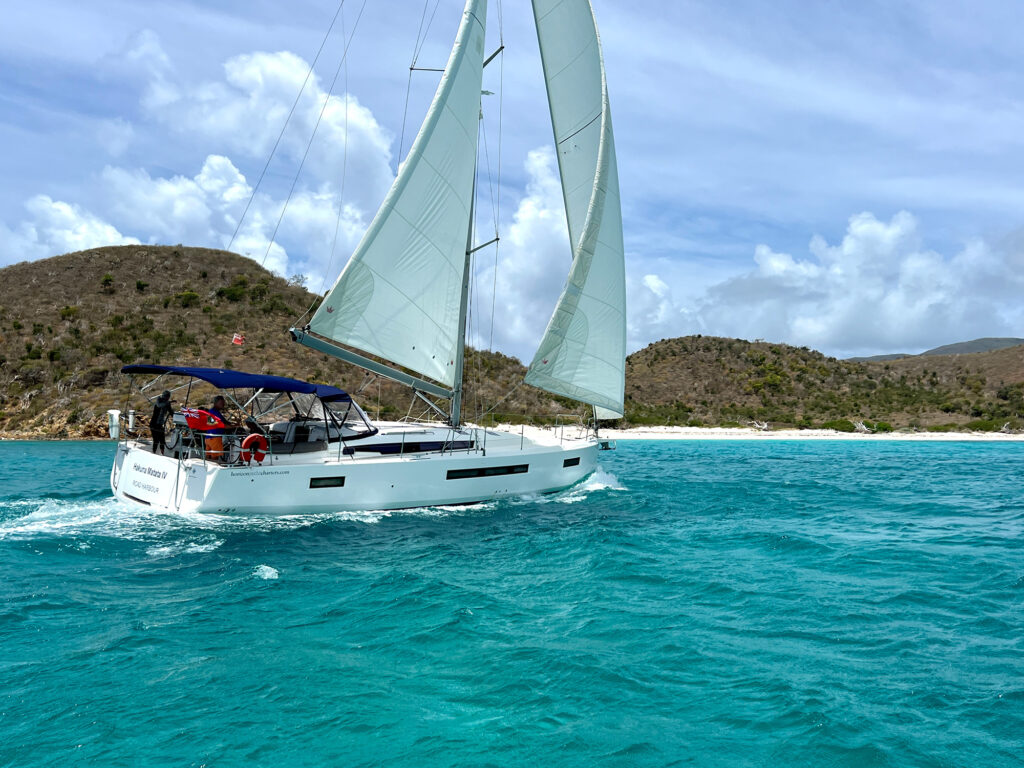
599, 481
53, 517
184, 548
109, 517
265, 572
602, 481
112, 518
442, 510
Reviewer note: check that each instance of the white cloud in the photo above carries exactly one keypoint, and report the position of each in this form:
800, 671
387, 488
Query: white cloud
201, 210
143, 60
205, 209
651, 310
115, 135
534, 260
244, 114
53, 227
879, 289
347, 167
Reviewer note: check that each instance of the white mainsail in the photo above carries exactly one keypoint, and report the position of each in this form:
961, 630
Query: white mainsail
399, 296
582, 354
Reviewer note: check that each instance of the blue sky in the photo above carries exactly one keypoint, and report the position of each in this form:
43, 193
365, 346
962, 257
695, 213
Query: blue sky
839, 175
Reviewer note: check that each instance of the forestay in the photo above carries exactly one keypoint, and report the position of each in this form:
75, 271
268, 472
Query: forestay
582, 354
399, 295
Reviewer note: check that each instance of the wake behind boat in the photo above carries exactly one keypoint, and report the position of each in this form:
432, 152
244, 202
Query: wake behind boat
399, 310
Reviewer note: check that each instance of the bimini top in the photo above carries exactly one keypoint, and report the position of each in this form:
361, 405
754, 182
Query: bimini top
223, 378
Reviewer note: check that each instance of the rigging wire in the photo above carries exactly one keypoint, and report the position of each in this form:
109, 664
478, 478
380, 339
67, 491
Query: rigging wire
284, 127
316, 127
341, 192
495, 210
497, 203
421, 36
421, 39
506, 397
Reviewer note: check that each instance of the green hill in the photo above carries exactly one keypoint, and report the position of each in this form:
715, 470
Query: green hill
977, 345
959, 348
879, 358
707, 380
68, 324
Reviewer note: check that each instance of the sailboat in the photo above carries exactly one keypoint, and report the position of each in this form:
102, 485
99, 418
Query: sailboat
398, 310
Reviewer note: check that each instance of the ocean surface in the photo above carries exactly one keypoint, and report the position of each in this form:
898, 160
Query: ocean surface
694, 603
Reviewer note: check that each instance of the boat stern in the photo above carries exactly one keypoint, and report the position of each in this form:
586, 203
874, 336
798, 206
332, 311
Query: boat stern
146, 478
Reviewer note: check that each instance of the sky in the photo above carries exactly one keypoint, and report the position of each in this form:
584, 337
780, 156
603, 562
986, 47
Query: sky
843, 176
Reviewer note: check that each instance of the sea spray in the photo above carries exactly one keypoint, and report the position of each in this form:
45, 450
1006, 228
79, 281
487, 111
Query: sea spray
265, 572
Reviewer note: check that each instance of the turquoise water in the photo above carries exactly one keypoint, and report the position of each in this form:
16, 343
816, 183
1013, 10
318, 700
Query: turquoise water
709, 604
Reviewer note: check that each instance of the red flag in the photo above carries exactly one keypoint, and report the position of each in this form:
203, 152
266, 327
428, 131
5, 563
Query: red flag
239, 338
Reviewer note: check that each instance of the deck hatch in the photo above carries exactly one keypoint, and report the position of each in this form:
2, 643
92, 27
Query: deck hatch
464, 474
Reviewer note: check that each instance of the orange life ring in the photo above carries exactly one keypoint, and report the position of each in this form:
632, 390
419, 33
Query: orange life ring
254, 447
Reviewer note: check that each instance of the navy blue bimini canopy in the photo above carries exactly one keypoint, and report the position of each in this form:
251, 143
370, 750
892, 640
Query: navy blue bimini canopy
223, 378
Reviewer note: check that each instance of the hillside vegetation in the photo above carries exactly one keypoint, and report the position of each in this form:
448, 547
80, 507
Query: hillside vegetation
706, 380
68, 324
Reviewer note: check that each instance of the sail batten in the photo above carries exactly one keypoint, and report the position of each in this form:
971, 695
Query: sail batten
399, 296
582, 353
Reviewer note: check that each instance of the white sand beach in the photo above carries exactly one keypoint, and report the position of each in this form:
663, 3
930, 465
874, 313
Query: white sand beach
749, 433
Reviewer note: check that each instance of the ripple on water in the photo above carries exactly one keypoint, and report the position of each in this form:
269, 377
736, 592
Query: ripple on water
729, 604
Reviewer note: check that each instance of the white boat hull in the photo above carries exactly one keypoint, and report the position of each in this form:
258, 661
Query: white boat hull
327, 481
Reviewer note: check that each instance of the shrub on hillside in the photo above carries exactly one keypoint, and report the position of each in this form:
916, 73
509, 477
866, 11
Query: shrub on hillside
276, 303
234, 292
187, 299
839, 425
984, 425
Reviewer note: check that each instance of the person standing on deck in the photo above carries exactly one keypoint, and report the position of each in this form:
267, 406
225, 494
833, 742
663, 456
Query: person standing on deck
157, 424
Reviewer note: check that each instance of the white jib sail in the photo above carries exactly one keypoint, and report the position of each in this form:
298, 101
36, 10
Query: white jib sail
399, 295
582, 354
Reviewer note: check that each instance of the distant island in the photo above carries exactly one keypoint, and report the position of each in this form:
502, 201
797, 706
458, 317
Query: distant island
68, 324
960, 348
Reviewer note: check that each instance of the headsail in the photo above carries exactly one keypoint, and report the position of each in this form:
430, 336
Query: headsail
582, 354
399, 295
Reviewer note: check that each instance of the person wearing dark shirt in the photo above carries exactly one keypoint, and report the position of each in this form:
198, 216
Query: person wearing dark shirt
214, 438
157, 424
217, 409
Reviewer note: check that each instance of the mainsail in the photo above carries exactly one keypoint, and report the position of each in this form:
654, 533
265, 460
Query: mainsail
582, 354
400, 294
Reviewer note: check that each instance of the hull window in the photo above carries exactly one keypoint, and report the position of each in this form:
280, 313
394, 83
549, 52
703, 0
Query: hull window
410, 447
463, 474
575, 462
327, 482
